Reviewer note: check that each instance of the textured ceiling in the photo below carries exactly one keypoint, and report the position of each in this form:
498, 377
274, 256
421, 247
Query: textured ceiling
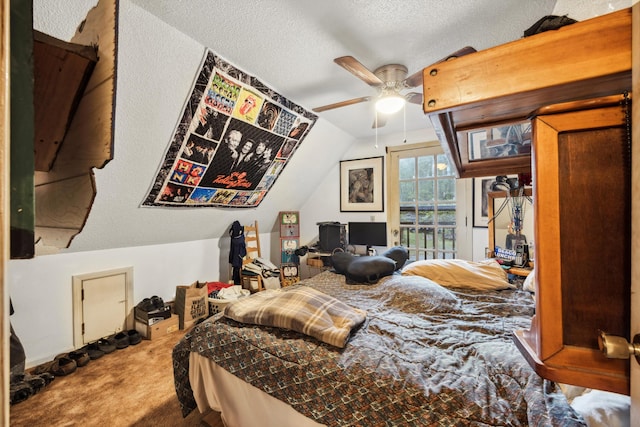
291, 44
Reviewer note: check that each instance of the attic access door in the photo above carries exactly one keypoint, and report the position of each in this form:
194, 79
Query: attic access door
102, 304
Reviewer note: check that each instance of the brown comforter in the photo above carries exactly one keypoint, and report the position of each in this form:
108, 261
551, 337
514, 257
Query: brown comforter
425, 356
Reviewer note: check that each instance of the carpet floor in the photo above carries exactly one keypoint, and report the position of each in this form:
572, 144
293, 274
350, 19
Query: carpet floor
129, 387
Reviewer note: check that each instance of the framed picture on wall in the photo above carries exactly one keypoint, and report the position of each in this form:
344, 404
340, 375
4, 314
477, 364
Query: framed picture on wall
481, 189
361, 185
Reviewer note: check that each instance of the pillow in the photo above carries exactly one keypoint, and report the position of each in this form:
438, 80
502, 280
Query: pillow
406, 292
459, 273
369, 269
399, 254
603, 409
529, 283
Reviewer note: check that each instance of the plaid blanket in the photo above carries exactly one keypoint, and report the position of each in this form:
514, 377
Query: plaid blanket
302, 309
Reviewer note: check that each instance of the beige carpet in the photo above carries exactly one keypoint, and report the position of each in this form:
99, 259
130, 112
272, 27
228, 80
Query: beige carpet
129, 387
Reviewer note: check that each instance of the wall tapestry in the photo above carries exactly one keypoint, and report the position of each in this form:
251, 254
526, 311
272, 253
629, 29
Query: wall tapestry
235, 137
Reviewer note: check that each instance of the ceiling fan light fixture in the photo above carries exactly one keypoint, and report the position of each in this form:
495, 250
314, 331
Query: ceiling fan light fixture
390, 103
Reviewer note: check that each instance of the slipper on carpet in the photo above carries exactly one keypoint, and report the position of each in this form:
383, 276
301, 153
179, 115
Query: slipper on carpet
36, 382
48, 377
19, 392
80, 356
106, 345
63, 365
93, 350
134, 337
44, 368
122, 340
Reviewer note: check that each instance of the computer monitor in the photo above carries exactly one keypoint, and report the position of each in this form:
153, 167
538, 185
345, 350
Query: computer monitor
367, 233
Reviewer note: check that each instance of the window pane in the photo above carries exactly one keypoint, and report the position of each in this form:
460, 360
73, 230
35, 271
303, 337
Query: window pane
446, 239
426, 236
447, 189
446, 217
443, 166
407, 215
407, 168
425, 167
426, 190
425, 215
407, 191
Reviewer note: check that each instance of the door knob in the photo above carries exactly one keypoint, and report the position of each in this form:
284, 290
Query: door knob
615, 347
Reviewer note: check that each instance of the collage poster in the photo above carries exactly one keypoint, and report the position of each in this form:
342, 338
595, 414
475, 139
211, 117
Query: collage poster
235, 137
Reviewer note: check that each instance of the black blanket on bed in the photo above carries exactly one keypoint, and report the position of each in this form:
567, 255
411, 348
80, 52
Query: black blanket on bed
426, 355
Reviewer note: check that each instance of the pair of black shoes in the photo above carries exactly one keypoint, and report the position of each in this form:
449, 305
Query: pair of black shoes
125, 339
151, 304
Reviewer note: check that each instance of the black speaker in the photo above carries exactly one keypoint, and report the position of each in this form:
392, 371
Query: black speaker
332, 235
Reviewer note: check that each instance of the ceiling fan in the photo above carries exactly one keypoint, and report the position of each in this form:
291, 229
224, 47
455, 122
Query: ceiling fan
390, 80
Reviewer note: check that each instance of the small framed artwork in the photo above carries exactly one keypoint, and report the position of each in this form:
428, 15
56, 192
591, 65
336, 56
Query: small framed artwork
289, 224
289, 245
361, 185
481, 189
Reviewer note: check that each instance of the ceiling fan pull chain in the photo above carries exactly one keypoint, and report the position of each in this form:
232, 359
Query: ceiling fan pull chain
404, 118
376, 145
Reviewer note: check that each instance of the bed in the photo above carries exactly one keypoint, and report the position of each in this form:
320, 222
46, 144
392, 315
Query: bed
425, 355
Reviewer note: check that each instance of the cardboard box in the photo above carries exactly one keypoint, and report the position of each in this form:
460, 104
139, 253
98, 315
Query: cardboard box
154, 316
158, 329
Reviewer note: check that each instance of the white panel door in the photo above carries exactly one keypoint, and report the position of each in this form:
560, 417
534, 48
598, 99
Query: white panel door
104, 306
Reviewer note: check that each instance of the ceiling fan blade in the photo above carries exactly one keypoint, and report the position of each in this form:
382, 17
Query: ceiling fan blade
380, 121
354, 66
416, 78
342, 104
414, 98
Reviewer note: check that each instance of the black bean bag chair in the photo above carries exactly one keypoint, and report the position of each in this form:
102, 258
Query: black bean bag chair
369, 269
399, 254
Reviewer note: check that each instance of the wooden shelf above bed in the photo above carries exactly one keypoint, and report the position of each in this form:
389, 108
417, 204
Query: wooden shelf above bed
507, 83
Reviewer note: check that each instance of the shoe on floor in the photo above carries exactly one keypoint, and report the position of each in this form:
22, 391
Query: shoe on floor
19, 392
134, 337
36, 382
106, 345
93, 350
48, 377
81, 357
63, 365
122, 340
40, 369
